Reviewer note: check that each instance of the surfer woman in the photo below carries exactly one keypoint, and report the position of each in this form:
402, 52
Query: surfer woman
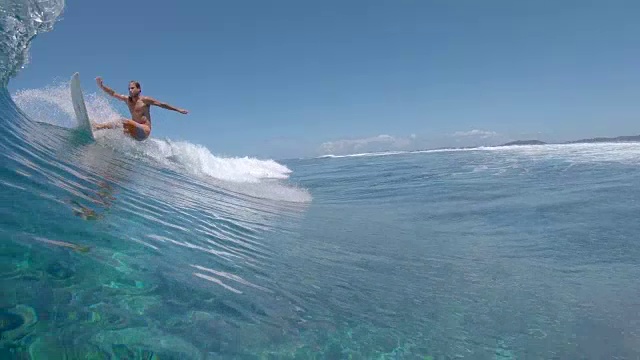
139, 126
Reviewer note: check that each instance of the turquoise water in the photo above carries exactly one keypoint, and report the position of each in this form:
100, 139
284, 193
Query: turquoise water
163, 250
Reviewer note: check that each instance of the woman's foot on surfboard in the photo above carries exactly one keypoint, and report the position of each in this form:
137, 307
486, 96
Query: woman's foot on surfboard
109, 125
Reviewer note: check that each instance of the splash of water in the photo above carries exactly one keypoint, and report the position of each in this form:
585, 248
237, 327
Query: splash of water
52, 105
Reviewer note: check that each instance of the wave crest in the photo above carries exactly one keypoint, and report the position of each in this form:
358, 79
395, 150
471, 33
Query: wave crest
52, 105
201, 161
20, 22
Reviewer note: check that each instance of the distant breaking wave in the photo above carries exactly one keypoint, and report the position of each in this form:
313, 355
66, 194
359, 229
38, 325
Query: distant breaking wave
388, 153
578, 152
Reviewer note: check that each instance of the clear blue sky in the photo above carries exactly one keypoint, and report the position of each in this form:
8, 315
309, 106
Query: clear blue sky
279, 78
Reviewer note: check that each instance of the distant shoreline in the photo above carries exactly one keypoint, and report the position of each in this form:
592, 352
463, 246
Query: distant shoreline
630, 138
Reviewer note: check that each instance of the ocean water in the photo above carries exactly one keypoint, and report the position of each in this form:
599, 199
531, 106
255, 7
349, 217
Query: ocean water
163, 250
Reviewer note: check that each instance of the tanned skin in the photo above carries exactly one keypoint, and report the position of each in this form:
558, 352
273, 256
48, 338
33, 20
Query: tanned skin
139, 126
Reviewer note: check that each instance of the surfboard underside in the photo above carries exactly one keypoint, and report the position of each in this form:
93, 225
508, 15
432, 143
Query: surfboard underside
79, 107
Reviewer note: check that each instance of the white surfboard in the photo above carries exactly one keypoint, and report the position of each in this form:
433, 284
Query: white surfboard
84, 124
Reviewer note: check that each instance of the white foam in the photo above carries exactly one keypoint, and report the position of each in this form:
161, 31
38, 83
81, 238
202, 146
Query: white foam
627, 152
577, 152
197, 159
372, 154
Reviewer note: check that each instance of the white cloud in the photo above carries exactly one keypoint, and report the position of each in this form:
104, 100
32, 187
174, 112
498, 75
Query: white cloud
370, 144
475, 133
